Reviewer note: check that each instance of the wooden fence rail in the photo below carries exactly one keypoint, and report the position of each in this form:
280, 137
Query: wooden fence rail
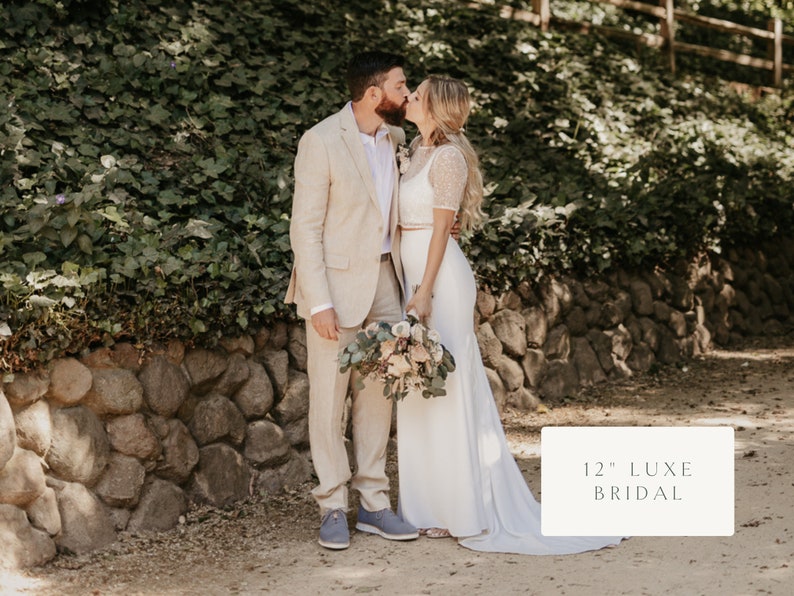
541, 16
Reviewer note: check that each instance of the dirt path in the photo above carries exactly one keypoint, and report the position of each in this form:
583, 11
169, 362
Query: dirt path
270, 546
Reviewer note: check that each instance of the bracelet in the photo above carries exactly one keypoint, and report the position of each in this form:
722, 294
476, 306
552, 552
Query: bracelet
415, 289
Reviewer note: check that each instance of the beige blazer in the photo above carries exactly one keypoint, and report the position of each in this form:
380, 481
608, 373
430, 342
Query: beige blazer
336, 230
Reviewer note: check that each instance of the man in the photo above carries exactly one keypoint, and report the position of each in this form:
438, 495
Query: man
346, 274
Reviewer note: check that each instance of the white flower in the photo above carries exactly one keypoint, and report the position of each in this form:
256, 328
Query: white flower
371, 330
398, 365
387, 348
403, 158
433, 336
437, 353
419, 353
401, 329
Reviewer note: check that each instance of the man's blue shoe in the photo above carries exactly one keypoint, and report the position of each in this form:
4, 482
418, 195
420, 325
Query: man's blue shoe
333, 530
386, 524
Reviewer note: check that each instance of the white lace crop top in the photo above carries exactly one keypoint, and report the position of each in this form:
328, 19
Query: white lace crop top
435, 179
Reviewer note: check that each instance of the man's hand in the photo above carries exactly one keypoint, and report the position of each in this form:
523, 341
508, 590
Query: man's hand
326, 324
455, 231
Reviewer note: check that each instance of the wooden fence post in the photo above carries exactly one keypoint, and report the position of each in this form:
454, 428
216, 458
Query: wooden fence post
775, 52
668, 31
541, 8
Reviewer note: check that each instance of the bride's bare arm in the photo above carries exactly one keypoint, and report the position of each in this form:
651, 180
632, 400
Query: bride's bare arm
421, 301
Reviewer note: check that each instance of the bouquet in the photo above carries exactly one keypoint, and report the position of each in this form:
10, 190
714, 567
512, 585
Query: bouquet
406, 356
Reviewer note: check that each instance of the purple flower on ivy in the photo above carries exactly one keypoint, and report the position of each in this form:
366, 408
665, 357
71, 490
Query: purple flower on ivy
173, 64
60, 199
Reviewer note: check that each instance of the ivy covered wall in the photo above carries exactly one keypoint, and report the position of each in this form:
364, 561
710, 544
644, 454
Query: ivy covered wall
146, 152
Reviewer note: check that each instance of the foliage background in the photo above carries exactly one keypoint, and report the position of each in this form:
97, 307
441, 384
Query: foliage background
146, 154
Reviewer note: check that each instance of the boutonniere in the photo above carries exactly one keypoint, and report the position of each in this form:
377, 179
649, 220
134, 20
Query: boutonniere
403, 158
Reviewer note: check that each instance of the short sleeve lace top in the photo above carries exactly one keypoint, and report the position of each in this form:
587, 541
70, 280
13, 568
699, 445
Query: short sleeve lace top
435, 179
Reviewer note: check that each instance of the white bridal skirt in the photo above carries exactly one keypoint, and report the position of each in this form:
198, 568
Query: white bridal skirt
455, 468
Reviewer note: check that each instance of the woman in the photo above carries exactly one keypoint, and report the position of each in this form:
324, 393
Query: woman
457, 476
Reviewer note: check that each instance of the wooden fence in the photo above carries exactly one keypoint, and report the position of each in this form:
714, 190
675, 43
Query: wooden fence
541, 16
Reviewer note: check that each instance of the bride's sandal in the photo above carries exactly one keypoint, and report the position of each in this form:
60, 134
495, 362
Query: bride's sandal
437, 533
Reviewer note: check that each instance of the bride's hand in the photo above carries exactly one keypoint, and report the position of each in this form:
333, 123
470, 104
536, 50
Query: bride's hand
421, 304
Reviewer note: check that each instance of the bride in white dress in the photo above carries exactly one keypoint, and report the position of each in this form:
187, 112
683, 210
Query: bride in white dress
457, 475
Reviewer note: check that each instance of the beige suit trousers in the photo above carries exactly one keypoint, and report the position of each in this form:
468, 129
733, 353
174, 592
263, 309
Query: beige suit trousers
371, 414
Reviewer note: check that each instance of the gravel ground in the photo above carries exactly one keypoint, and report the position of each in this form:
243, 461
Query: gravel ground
268, 544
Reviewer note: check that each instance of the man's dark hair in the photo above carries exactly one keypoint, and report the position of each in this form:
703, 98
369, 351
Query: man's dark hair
369, 69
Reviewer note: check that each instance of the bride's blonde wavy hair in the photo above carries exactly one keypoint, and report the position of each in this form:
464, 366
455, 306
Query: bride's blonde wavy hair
448, 103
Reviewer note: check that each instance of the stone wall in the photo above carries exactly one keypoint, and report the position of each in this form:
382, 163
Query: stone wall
550, 340
122, 440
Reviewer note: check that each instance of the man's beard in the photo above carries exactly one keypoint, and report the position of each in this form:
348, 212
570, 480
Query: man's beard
391, 112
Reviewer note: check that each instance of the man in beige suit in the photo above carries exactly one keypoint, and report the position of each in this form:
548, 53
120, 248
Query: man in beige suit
346, 274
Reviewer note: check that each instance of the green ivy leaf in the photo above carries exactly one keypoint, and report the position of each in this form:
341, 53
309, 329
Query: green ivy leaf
68, 234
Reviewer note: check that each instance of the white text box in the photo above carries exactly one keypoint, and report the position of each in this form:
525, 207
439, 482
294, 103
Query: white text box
637, 481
